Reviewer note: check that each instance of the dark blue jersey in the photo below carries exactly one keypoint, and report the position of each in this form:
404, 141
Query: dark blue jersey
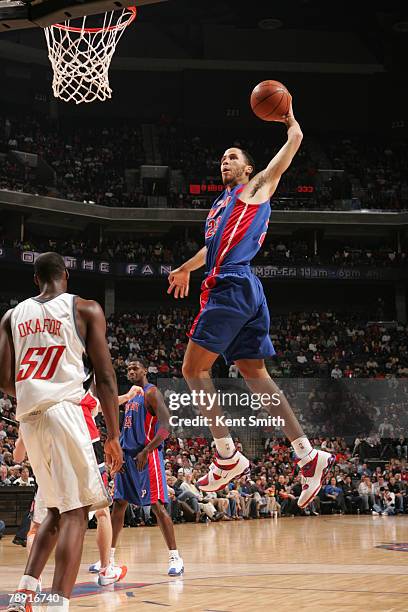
139, 425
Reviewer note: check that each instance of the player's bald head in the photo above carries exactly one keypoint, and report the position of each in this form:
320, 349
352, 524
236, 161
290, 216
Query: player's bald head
50, 267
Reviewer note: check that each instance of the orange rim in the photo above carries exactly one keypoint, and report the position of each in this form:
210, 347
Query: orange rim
112, 28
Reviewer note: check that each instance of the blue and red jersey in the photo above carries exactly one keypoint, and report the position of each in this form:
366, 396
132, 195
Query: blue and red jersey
139, 425
147, 486
234, 230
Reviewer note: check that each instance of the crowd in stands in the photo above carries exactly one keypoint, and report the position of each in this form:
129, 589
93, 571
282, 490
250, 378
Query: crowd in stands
273, 486
89, 161
314, 344
90, 164
376, 170
325, 345
170, 249
344, 173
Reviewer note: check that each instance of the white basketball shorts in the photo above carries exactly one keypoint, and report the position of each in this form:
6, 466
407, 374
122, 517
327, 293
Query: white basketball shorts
60, 451
39, 511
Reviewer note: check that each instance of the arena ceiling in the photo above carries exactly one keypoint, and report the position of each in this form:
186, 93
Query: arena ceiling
380, 25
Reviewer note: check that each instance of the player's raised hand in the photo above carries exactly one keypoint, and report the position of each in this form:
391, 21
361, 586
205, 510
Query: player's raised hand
289, 116
113, 455
179, 281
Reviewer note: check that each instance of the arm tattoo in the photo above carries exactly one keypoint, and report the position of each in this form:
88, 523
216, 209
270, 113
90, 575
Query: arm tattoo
260, 182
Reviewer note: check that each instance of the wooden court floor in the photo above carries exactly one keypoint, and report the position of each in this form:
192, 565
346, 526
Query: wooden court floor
328, 564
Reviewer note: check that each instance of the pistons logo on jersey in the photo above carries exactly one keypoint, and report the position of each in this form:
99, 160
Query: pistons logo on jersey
218, 207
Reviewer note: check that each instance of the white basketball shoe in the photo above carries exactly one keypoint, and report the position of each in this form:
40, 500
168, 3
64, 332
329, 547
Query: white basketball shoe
111, 574
176, 565
222, 471
313, 468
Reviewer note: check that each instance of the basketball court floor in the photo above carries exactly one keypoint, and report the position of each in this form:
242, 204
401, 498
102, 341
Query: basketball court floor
333, 563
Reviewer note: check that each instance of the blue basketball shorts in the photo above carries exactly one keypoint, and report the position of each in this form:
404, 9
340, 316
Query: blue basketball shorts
145, 487
234, 318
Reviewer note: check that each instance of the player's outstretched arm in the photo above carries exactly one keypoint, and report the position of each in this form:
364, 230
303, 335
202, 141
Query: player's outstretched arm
92, 326
179, 279
7, 359
263, 185
133, 391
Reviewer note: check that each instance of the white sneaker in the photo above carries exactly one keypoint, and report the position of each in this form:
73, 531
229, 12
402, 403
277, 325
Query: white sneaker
176, 566
222, 471
111, 574
314, 468
95, 568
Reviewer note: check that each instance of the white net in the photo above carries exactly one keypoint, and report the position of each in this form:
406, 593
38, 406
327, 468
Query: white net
81, 56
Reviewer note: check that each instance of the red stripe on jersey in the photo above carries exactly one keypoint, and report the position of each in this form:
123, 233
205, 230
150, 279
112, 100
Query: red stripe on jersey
150, 422
237, 225
160, 476
208, 284
153, 461
88, 403
153, 477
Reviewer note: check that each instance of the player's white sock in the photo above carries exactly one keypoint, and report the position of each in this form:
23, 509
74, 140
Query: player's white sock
62, 606
28, 583
225, 447
112, 556
174, 553
302, 447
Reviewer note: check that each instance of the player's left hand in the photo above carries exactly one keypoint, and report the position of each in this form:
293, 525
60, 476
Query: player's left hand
141, 459
113, 455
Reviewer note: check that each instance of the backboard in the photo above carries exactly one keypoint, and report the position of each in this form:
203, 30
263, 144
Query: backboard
17, 15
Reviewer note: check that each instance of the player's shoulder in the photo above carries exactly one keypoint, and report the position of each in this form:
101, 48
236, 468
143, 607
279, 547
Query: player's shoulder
84, 303
87, 307
150, 388
5, 318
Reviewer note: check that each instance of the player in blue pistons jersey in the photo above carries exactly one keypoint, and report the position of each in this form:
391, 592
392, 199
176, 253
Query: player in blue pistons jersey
233, 320
142, 480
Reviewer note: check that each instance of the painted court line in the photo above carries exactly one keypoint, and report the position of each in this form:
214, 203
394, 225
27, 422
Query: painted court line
84, 589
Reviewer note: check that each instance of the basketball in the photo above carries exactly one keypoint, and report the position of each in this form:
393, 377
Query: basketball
270, 100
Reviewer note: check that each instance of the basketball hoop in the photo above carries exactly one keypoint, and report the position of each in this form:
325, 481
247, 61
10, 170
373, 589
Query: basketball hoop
81, 56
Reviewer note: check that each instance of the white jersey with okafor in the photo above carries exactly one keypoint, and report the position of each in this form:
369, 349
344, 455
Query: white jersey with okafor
49, 354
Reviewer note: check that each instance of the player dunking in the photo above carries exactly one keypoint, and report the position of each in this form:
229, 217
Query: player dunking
44, 344
142, 480
234, 320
